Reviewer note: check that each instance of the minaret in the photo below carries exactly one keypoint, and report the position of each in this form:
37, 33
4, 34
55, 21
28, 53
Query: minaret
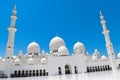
109, 46
11, 30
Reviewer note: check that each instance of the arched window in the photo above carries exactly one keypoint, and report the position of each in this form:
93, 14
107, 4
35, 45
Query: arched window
30, 73
93, 69
96, 69
67, 69
44, 72
106, 68
33, 72
15, 73
47, 73
59, 71
40, 72
19, 73
101, 69
37, 72
23, 74
27, 73
88, 69
76, 71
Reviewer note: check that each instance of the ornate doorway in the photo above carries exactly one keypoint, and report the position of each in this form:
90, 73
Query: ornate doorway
67, 69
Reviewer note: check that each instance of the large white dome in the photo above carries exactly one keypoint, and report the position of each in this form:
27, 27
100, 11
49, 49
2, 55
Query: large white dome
79, 47
56, 43
63, 51
33, 47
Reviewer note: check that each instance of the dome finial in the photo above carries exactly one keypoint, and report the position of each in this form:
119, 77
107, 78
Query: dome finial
15, 7
56, 34
100, 13
14, 11
101, 16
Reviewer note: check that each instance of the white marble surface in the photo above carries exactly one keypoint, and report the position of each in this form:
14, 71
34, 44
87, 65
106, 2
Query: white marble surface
90, 76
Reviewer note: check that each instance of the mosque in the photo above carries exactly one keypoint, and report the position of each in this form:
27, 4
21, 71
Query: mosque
58, 61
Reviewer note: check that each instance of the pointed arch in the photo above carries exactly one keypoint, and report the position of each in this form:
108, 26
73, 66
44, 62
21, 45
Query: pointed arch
67, 69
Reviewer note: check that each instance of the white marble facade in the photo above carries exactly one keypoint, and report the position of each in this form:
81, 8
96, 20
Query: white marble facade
58, 61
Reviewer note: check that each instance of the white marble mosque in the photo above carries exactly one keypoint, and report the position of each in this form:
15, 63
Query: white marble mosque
58, 60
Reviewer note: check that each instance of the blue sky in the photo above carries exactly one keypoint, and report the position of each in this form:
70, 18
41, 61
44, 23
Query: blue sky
73, 20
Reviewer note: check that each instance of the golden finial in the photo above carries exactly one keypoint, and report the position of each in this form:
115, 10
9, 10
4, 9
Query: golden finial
56, 35
15, 7
100, 13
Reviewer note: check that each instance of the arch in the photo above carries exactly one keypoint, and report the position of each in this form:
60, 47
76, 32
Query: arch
19, 73
40, 72
93, 69
67, 69
47, 73
96, 69
33, 72
44, 71
118, 66
26, 73
76, 69
37, 72
59, 71
101, 69
30, 73
88, 69
106, 68
23, 73
15, 73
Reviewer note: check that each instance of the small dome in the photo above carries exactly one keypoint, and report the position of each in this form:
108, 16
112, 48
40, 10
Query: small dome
33, 47
3, 60
94, 58
43, 61
119, 55
56, 43
20, 53
44, 54
79, 47
104, 58
31, 61
14, 57
96, 53
63, 51
17, 61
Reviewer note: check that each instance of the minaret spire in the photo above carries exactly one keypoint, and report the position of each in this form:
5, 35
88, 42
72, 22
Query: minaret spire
10, 43
12, 29
13, 17
15, 7
109, 46
103, 22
